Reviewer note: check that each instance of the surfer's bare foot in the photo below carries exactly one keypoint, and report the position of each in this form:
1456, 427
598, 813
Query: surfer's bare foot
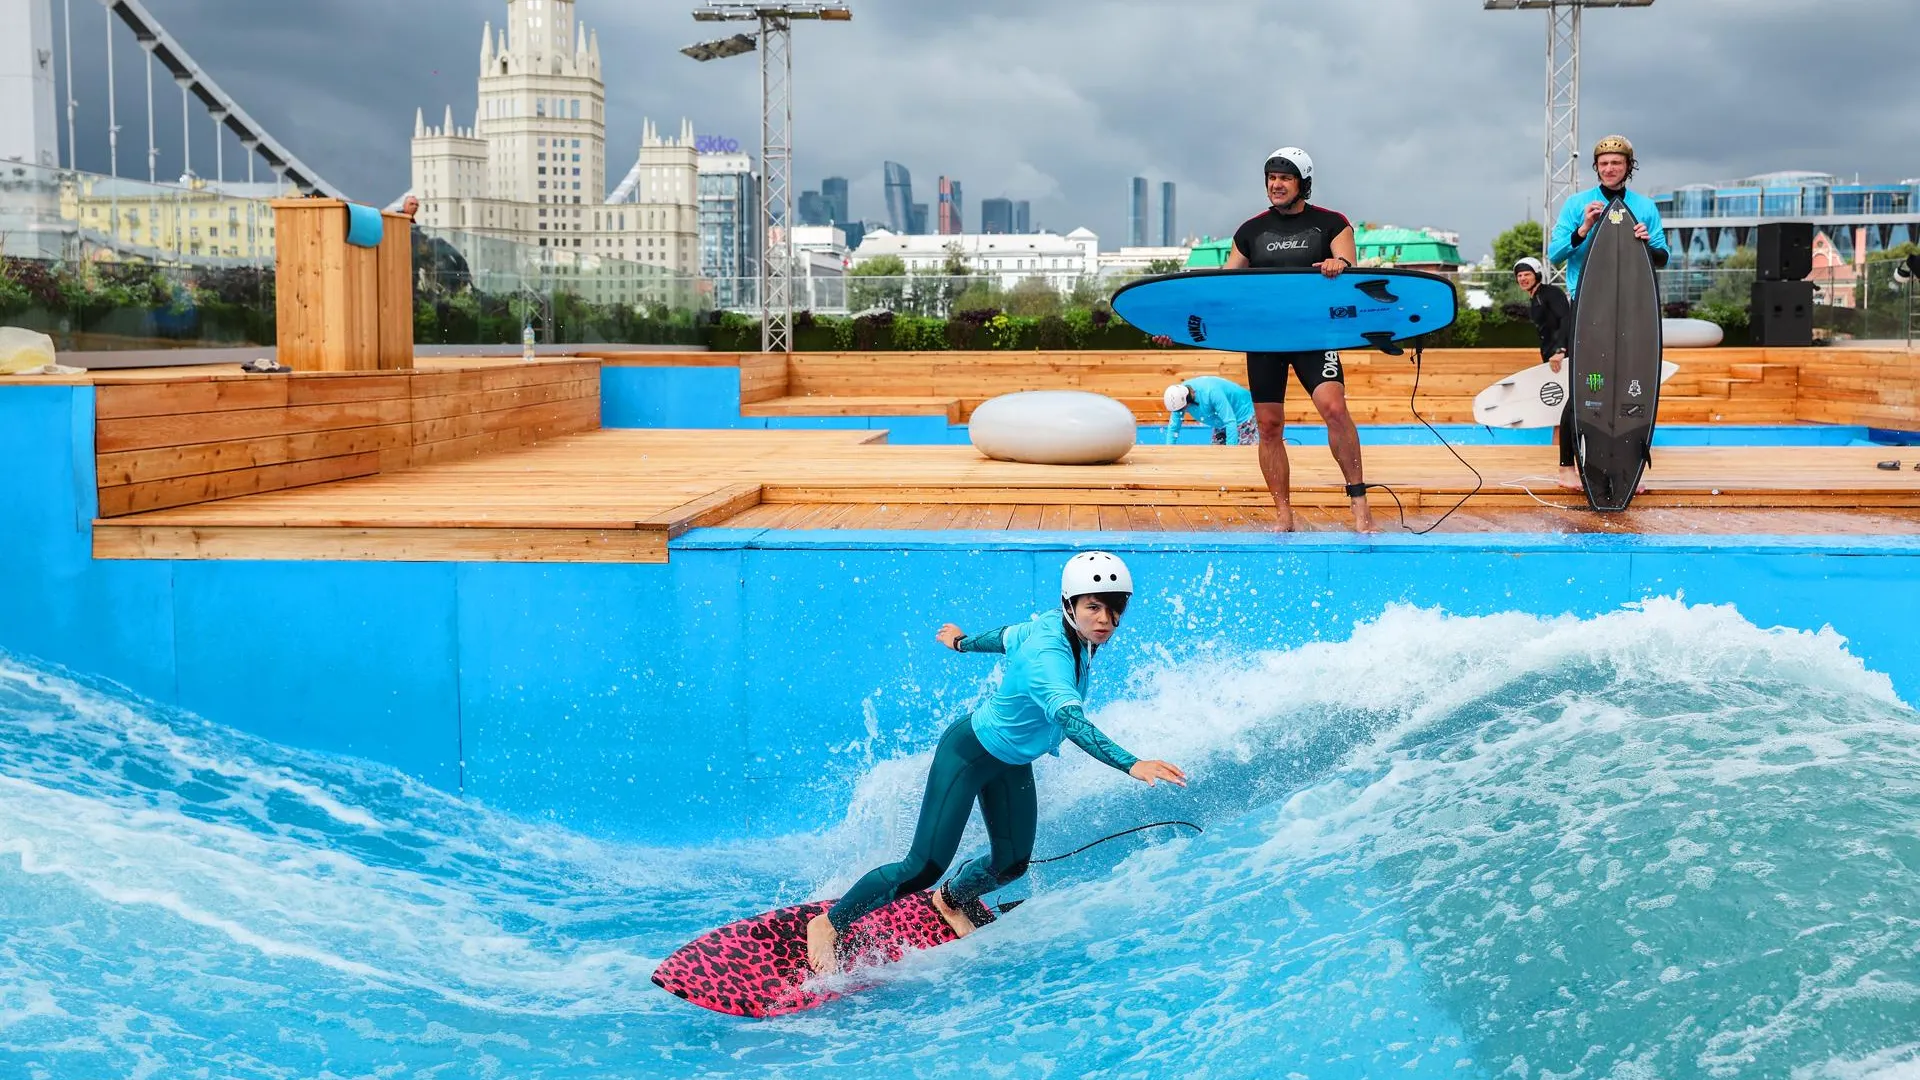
1363, 517
962, 926
1570, 479
822, 939
1283, 519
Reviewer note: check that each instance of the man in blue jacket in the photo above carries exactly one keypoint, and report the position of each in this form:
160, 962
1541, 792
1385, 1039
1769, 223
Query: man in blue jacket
1614, 164
1221, 404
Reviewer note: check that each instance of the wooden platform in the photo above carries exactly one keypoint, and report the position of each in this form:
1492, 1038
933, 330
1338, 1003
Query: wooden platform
622, 495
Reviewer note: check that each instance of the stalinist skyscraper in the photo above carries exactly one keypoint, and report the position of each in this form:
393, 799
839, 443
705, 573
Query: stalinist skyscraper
532, 168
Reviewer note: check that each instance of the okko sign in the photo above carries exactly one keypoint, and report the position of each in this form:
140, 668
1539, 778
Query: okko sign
715, 144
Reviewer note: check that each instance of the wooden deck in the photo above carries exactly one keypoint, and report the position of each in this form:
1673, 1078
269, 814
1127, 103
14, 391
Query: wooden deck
621, 495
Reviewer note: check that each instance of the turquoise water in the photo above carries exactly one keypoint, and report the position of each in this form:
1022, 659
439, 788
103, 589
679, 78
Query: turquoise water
1664, 842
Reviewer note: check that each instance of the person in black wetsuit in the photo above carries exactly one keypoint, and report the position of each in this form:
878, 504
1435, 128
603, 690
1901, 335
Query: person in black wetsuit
1292, 232
1553, 320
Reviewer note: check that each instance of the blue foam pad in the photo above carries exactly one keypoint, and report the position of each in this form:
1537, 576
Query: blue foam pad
364, 226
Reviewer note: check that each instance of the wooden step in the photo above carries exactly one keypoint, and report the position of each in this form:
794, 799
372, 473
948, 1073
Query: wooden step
845, 405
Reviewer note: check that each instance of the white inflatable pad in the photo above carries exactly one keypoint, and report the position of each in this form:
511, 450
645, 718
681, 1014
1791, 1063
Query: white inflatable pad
1053, 427
1690, 334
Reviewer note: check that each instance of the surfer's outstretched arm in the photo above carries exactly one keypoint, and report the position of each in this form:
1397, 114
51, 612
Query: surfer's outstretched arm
1104, 750
994, 641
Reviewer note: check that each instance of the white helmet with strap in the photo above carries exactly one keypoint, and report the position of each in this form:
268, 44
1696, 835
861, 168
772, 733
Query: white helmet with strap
1094, 572
1292, 159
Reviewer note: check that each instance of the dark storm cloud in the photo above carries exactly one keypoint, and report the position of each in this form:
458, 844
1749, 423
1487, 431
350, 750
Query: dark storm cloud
1418, 112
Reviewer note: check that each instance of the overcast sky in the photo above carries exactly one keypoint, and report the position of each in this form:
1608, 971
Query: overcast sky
1417, 112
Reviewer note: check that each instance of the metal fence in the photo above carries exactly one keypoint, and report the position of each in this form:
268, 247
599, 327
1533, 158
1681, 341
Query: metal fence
104, 263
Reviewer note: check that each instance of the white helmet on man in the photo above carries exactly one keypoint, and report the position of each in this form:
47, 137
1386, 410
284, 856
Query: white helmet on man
1532, 264
1176, 397
1294, 161
1094, 572
1291, 159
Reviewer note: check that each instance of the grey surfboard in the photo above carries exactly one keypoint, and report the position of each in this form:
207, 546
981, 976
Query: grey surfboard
1614, 366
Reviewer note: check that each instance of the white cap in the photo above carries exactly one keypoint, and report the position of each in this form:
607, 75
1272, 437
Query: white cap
1176, 397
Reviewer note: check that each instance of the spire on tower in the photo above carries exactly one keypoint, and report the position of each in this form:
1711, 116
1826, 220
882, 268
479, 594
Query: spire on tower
419, 122
448, 129
486, 48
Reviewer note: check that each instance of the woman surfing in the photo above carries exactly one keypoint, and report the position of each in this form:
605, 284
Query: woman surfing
988, 757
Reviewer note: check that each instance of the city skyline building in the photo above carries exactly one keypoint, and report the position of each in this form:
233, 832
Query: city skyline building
812, 209
1169, 235
899, 197
949, 222
1137, 213
996, 216
1706, 223
834, 190
28, 117
1022, 217
532, 167
917, 220
731, 239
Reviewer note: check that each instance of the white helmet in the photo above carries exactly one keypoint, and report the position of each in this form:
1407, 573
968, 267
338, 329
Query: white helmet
1298, 162
1530, 263
1176, 397
1094, 572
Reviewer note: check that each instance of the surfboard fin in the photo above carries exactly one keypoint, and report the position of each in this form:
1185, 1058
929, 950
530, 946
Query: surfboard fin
1383, 340
1376, 288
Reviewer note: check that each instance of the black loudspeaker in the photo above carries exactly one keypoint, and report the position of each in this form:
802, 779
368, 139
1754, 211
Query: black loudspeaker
1786, 251
1782, 314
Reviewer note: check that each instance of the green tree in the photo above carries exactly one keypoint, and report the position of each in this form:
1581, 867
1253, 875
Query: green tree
1033, 296
1732, 284
880, 282
1517, 243
1166, 266
982, 295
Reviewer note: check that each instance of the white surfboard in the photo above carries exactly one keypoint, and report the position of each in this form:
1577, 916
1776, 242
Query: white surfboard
1535, 396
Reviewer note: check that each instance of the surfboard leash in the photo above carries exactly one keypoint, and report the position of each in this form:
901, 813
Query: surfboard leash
1413, 404
1115, 836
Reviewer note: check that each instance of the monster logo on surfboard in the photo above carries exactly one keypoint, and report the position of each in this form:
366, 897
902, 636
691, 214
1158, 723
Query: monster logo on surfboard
1289, 310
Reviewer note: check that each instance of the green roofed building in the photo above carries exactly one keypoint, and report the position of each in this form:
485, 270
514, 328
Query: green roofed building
1414, 249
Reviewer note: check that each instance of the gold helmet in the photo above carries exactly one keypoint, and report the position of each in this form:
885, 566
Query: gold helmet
1613, 144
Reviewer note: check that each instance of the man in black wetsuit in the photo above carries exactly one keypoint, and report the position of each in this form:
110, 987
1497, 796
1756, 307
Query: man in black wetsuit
1292, 232
1553, 321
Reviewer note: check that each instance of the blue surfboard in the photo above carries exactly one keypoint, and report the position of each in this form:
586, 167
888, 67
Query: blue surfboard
1292, 310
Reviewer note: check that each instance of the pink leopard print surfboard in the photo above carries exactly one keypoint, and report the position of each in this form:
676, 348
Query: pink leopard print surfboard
757, 967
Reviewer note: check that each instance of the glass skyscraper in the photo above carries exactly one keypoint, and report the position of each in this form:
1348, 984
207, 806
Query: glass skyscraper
1169, 236
899, 198
834, 190
996, 215
730, 234
1137, 218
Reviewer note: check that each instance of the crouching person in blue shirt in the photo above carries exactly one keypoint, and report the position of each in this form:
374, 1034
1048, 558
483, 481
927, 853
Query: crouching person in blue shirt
1222, 404
988, 756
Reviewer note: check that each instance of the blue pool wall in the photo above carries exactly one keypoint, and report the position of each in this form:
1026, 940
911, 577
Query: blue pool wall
709, 397
740, 687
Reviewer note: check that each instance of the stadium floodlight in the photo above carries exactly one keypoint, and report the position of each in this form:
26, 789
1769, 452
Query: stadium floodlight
775, 46
721, 48
1563, 154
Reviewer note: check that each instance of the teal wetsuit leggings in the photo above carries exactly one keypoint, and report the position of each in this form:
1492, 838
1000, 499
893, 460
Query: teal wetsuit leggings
962, 772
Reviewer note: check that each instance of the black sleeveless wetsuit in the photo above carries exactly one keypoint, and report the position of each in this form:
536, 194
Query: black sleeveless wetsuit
1273, 239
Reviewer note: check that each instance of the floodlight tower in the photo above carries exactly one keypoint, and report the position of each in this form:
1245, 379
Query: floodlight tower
1563, 91
776, 141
